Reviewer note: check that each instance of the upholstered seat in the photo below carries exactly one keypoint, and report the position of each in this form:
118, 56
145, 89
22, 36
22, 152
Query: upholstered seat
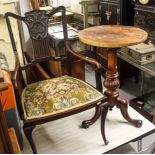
51, 97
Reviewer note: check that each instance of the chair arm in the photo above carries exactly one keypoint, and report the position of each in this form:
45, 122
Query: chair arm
42, 72
82, 57
15, 72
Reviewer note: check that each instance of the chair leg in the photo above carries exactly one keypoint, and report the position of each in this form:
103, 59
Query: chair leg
85, 124
98, 80
103, 117
28, 134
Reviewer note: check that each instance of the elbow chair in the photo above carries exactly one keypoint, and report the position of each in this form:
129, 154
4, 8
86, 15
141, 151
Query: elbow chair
53, 98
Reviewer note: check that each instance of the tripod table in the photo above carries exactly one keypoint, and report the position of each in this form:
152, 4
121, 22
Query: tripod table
113, 37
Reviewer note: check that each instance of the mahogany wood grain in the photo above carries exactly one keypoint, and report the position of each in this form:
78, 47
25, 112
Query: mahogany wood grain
112, 36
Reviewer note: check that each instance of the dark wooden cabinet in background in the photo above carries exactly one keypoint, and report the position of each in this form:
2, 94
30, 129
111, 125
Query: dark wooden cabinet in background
119, 11
113, 10
145, 19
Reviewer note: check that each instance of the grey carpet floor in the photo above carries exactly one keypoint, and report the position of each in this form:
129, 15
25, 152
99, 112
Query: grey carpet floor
41, 131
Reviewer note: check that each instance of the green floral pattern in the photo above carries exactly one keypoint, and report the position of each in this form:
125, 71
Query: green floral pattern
57, 95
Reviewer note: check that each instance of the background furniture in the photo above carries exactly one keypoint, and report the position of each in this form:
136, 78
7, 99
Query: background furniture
8, 101
141, 103
117, 12
8, 139
86, 13
49, 99
69, 17
144, 18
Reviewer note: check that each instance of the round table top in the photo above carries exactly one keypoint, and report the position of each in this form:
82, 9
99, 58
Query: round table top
112, 36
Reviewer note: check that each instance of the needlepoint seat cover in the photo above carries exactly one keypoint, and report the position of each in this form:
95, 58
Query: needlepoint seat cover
57, 95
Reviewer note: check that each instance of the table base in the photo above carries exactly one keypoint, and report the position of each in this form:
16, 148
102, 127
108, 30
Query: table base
111, 84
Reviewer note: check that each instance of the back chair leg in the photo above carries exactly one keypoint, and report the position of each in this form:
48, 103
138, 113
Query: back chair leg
28, 134
98, 75
85, 124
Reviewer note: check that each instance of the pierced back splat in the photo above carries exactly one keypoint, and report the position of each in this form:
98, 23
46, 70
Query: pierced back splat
37, 23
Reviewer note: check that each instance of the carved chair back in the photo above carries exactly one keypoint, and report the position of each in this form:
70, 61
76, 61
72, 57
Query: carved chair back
37, 24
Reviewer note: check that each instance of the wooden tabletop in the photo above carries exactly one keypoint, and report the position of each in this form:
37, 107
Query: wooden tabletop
112, 36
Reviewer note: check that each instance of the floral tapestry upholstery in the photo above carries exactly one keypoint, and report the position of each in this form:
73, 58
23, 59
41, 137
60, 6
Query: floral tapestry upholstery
53, 96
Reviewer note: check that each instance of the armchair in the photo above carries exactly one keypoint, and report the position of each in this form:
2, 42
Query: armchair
53, 98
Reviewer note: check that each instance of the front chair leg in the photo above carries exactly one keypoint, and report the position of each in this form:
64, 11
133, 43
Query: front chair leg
28, 134
85, 124
104, 112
